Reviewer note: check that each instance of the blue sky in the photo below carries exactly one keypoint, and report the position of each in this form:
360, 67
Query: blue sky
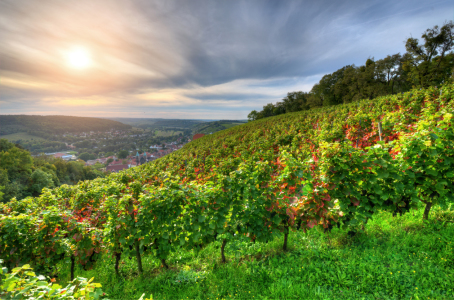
189, 59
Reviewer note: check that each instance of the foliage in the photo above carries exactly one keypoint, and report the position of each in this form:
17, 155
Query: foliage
87, 156
21, 175
297, 171
45, 125
430, 63
123, 154
23, 283
393, 258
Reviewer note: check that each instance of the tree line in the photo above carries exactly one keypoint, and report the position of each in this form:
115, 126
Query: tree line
43, 125
425, 64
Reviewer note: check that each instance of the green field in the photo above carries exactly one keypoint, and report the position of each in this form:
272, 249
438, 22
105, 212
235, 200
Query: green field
393, 258
21, 136
166, 133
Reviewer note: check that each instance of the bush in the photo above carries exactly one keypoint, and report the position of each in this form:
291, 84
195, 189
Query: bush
23, 283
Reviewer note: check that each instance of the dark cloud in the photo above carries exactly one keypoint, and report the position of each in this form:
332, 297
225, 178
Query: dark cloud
179, 48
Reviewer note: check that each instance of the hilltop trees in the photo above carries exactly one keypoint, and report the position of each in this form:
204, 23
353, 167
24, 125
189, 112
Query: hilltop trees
430, 63
423, 65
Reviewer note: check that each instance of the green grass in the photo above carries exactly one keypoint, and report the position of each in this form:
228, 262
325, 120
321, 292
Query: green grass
393, 258
166, 133
21, 136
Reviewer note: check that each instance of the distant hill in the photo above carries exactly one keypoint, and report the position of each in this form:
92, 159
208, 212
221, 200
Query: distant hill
158, 123
10, 124
212, 127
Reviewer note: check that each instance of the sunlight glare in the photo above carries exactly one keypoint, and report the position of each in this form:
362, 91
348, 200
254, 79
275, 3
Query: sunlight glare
79, 58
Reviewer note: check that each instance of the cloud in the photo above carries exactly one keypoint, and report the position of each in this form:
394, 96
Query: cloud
165, 58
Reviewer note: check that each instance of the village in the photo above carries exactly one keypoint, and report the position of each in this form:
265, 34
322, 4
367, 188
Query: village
116, 163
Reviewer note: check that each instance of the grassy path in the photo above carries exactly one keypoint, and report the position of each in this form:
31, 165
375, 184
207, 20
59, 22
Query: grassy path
394, 258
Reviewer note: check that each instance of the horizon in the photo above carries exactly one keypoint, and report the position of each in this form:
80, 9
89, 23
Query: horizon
110, 118
189, 60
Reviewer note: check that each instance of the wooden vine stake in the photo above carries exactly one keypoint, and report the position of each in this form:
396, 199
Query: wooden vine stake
117, 263
286, 232
136, 188
224, 242
72, 267
380, 131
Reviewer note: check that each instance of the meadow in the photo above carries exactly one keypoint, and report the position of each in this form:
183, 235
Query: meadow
166, 133
21, 136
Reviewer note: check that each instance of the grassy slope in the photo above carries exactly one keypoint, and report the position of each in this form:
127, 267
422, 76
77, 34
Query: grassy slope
21, 136
394, 258
215, 126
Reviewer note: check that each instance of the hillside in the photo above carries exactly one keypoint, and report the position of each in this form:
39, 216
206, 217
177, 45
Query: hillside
155, 123
10, 124
253, 183
215, 126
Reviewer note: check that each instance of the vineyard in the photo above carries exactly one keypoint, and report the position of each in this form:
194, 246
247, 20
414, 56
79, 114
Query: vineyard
320, 168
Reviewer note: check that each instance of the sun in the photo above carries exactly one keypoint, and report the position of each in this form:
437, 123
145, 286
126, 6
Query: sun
79, 58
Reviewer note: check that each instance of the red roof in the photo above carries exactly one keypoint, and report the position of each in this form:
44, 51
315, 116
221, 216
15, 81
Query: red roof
197, 136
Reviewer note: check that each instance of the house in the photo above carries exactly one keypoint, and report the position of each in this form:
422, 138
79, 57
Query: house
90, 162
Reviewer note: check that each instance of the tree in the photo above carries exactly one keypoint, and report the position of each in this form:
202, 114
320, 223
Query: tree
252, 116
3, 183
123, 154
325, 89
429, 63
17, 162
84, 156
268, 111
109, 161
295, 101
39, 180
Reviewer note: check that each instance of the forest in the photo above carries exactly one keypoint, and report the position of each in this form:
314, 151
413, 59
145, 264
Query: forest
46, 126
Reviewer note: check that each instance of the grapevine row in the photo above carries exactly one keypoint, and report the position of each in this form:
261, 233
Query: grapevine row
260, 180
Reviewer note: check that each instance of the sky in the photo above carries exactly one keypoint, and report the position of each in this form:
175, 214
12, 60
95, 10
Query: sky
189, 59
